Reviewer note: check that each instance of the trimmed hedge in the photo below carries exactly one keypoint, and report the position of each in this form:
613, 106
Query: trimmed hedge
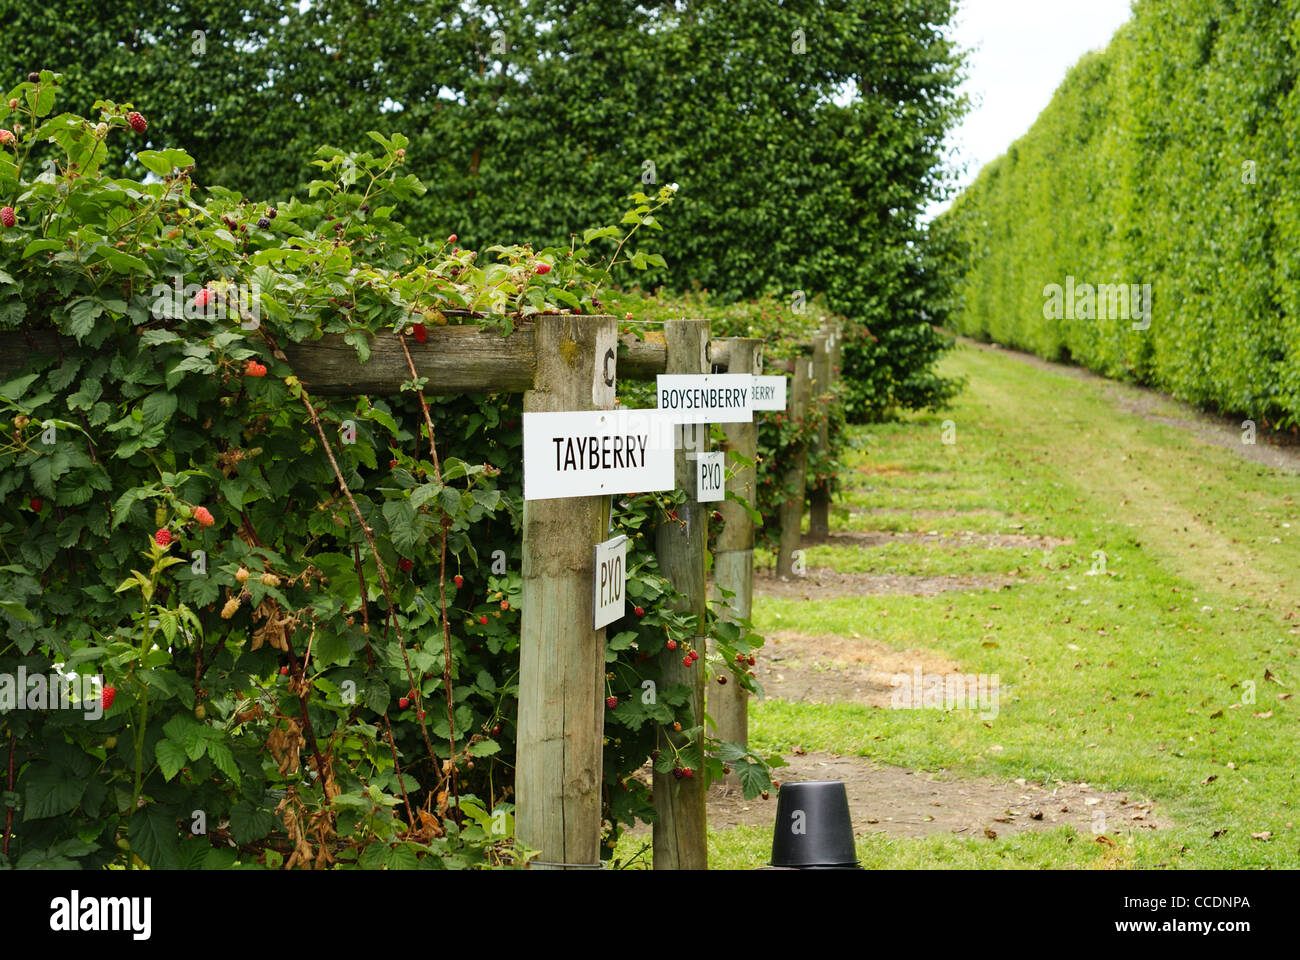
1140, 171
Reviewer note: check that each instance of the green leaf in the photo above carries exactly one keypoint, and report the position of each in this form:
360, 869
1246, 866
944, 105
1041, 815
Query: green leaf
221, 757
170, 756
17, 610
753, 778
158, 408
51, 791
38, 246
155, 837
249, 822
82, 316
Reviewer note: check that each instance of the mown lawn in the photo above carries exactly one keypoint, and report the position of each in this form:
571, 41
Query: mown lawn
1163, 669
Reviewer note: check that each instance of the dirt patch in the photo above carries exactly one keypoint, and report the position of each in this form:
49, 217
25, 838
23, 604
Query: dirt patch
1280, 451
914, 803
947, 538
923, 514
833, 669
821, 583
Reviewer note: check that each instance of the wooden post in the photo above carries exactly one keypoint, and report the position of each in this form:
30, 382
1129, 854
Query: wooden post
680, 832
561, 658
819, 501
792, 510
733, 554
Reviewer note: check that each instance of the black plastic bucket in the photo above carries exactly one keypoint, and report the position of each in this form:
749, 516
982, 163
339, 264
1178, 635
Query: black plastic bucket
813, 828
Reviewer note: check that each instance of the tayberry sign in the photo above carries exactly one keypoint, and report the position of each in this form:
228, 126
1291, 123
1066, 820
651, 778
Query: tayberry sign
587, 453
769, 393
706, 397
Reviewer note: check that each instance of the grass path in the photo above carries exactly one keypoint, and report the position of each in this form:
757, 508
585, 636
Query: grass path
1147, 645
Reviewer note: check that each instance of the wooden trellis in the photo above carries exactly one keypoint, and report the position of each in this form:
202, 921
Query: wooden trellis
554, 361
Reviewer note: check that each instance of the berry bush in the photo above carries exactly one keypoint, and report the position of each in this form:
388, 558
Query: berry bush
304, 610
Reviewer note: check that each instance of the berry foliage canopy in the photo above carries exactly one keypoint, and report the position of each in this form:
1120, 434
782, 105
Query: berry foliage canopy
805, 134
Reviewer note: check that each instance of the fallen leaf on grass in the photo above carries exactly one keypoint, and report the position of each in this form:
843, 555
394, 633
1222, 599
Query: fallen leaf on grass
1264, 835
1262, 716
1218, 833
991, 834
1209, 780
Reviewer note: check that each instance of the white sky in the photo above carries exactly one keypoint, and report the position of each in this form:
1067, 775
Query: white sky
1021, 50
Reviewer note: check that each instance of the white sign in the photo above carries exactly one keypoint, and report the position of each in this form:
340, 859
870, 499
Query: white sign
710, 477
588, 453
706, 397
769, 393
608, 600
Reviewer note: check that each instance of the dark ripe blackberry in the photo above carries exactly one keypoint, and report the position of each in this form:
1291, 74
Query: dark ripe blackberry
263, 223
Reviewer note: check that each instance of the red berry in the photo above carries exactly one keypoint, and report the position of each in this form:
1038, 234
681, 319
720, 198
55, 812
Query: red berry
137, 122
254, 369
107, 696
452, 238
751, 659
496, 731
163, 537
405, 564
458, 580
672, 644
421, 714
7, 216
687, 772
543, 268
403, 703
483, 620
392, 464
611, 702
204, 518
687, 661
640, 612
505, 604
420, 333
37, 503
722, 680
284, 671
203, 297
717, 514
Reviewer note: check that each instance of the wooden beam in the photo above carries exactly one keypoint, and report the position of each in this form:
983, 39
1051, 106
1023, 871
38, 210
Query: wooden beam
819, 499
465, 358
680, 836
460, 359
561, 657
733, 553
794, 478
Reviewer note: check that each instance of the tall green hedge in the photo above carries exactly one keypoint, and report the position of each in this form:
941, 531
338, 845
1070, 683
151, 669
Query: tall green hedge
805, 134
1139, 171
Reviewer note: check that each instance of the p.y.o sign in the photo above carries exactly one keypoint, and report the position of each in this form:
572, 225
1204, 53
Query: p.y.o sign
608, 597
710, 477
